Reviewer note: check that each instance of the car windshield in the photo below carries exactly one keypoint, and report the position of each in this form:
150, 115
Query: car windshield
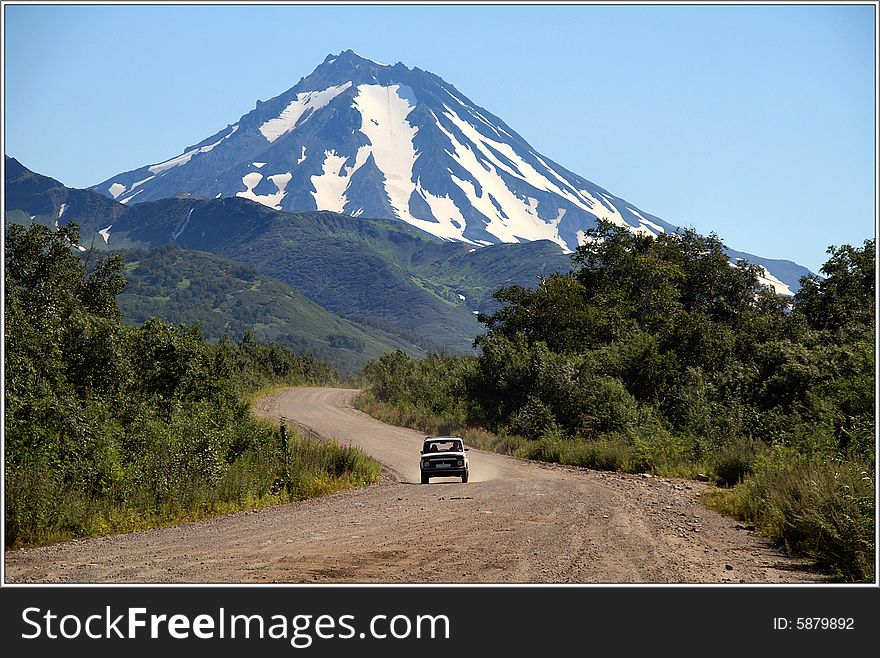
443, 446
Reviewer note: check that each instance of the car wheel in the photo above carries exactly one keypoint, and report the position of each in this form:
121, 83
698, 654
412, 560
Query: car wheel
464, 478
425, 479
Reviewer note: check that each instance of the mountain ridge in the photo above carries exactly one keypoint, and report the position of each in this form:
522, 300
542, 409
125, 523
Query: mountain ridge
381, 274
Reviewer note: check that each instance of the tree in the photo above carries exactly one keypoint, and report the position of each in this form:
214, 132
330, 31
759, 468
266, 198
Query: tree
845, 297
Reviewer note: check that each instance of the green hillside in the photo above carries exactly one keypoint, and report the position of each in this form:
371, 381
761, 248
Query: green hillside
225, 297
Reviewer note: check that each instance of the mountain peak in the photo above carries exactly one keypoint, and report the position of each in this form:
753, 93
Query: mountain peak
349, 58
368, 139
346, 66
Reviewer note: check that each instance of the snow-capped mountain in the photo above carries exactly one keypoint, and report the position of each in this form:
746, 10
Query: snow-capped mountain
367, 139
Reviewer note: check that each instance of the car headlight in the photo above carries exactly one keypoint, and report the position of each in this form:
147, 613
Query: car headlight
426, 464
461, 462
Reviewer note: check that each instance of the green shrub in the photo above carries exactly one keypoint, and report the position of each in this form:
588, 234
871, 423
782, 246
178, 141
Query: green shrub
735, 460
505, 444
661, 452
606, 454
534, 420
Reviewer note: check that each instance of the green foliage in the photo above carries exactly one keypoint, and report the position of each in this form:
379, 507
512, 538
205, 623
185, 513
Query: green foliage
839, 300
733, 461
227, 298
656, 354
555, 314
111, 427
431, 387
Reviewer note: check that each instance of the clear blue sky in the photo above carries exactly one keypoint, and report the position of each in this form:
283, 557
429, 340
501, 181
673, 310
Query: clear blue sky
755, 121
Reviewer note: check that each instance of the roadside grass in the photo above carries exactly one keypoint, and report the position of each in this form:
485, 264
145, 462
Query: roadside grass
252, 398
46, 510
816, 508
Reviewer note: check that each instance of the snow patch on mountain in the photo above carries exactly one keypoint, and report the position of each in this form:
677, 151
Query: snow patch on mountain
185, 224
657, 229
105, 233
450, 224
141, 182
330, 186
302, 156
604, 210
281, 181
129, 198
116, 189
250, 180
305, 104
769, 280
473, 111
384, 112
368, 59
253, 178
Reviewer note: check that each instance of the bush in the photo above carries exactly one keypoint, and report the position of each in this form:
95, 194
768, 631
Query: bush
735, 460
485, 440
606, 454
663, 453
534, 420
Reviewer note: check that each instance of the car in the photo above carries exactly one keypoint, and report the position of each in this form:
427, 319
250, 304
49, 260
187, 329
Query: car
444, 456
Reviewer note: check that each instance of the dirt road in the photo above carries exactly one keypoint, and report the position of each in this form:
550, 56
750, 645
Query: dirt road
514, 522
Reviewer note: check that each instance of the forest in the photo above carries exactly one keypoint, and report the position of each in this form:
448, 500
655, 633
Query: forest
660, 356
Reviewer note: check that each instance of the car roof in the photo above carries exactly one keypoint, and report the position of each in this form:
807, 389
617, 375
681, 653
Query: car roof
442, 438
